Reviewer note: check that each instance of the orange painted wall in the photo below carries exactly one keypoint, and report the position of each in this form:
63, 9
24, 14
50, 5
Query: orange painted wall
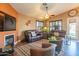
7, 8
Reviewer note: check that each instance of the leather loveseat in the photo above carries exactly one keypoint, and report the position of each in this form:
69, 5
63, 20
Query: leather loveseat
32, 35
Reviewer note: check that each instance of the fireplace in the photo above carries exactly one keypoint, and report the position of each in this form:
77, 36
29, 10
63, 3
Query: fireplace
9, 42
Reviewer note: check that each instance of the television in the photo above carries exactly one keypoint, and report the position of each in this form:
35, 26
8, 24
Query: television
7, 22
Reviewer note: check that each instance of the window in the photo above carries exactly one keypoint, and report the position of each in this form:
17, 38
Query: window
72, 29
55, 25
39, 25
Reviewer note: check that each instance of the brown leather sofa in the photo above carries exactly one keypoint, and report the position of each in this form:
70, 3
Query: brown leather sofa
32, 35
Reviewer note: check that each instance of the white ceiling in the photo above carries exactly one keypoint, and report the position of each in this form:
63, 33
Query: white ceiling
36, 10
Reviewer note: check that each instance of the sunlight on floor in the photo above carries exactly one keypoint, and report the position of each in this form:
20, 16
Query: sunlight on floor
71, 49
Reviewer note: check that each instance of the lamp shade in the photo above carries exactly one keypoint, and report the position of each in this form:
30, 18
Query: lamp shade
45, 29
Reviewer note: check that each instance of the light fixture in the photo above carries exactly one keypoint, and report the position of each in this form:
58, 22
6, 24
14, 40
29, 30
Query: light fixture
46, 11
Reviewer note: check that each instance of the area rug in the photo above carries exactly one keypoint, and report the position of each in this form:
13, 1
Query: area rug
24, 50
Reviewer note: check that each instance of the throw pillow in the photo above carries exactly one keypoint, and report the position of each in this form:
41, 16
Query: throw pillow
56, 34
33, 33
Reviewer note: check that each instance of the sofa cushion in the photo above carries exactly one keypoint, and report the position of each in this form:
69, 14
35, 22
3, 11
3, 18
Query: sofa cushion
33, 33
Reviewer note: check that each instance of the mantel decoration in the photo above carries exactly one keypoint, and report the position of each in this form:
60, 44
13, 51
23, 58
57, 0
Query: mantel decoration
28, 22
72, 12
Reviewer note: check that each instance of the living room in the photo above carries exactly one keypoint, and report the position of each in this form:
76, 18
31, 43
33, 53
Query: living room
24, 32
